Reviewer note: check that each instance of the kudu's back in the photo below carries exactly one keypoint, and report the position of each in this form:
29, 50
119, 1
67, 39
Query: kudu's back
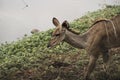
112, 32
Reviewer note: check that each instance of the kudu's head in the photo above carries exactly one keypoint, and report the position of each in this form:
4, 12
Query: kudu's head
58, 34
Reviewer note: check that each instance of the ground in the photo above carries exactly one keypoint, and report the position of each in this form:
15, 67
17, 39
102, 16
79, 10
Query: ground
68, 67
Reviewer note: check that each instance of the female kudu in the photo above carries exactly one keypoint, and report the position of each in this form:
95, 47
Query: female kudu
101, 37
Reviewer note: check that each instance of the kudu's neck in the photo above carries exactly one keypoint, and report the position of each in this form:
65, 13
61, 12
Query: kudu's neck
78, 41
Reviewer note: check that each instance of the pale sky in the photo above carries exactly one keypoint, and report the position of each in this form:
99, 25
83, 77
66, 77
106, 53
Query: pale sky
17, 20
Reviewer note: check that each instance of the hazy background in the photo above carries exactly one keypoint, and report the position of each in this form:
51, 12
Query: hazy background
19, 17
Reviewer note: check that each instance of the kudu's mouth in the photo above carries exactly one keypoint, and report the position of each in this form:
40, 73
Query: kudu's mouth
48, 46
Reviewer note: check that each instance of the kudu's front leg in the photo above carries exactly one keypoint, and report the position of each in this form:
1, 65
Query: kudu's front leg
94, 51
90, 66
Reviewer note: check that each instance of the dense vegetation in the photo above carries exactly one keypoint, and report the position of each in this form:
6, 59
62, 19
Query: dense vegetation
30, 59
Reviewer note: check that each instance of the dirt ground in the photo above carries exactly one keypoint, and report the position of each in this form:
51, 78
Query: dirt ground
69, 67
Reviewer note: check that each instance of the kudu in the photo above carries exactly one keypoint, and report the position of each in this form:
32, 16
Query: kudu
102, 36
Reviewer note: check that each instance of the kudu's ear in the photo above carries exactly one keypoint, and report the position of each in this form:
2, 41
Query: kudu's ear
56, 22
65, 24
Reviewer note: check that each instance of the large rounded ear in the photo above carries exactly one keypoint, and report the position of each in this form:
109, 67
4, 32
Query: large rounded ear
56, 22
65, 24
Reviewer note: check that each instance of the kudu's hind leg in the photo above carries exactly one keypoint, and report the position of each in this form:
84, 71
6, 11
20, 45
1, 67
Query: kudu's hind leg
106, 57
